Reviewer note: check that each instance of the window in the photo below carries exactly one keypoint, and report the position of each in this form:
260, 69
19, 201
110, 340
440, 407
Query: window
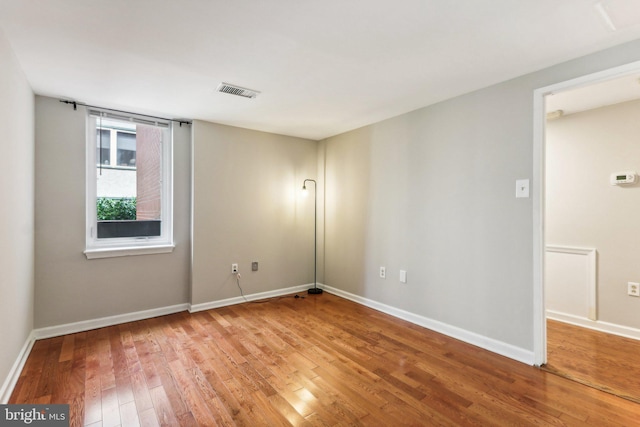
126, 143
103, 144
129, 185
116, 144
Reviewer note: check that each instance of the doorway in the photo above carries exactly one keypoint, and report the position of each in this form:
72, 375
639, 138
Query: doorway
554, 102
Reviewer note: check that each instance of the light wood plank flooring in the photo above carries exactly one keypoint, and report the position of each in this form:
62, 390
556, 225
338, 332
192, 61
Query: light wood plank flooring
314, 361
597, 359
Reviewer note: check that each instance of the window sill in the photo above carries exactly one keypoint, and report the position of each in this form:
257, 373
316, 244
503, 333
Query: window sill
128, 251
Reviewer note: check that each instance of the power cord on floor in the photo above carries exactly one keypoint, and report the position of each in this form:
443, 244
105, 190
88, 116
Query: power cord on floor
240, 287
264, 300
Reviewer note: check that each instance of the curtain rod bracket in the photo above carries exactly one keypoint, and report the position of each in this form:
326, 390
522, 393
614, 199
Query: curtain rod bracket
74, 103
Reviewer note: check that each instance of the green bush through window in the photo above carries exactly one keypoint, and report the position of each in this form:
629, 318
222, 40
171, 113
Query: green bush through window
110, 209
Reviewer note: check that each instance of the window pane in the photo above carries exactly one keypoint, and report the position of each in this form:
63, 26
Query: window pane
129, 195
126, 143
103, 146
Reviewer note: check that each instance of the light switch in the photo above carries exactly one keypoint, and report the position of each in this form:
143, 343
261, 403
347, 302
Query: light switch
403, 276
522, 188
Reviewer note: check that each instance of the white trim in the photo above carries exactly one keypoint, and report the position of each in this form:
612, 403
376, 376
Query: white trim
589, 79
252, 297
591, 274
539, 121
126, 246
538, 190
490, 344
87, 325
609, 328
14, 374
128, 251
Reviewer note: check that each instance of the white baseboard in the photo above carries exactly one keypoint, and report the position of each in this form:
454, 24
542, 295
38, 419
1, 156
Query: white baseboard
490, 344
251, 297
596, 325
12, 379
87, 325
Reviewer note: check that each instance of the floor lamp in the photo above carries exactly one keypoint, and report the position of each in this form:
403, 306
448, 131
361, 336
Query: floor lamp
315, 289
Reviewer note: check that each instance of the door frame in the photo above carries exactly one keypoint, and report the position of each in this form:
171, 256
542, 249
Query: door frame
539, 125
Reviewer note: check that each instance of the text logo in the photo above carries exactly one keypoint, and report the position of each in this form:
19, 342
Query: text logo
34, 415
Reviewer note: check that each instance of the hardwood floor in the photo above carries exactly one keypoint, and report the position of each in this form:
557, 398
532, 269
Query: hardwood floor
321, 360
608, 362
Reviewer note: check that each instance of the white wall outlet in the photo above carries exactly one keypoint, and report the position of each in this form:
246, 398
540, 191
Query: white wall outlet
633, 289
403, 276
234, 268
383, 273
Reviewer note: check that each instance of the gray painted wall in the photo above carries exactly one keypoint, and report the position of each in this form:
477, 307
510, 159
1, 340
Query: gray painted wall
16, 209
70, 288
433, 192
248, 207
584, 210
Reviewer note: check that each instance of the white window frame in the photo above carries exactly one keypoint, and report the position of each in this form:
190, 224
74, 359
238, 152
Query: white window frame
126, 246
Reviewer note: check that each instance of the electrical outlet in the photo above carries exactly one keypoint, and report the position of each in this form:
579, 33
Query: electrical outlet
633, 289
234, 268
383, 273
254, 266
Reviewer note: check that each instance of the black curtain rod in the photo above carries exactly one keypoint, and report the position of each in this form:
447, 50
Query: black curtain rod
75, 107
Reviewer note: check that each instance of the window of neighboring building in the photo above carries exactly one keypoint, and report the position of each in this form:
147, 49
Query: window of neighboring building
116, 144
126, 143
129, 185
103, 145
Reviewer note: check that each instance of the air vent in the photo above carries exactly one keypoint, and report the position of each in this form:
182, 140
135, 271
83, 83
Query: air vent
237, 90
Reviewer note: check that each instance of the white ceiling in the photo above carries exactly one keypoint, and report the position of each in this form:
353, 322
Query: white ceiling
323, 67
609, 92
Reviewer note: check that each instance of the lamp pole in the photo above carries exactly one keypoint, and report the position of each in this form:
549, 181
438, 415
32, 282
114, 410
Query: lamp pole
315, 289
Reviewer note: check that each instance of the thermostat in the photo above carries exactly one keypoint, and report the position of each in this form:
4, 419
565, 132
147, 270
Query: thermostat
623, 178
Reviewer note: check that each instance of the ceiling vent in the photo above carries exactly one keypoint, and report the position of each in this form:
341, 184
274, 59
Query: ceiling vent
237, 90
